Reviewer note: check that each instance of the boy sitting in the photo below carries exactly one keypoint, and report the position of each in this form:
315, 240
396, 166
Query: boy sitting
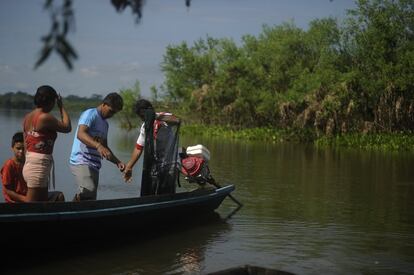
14, 185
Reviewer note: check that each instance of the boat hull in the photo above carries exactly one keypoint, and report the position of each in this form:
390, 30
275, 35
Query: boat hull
102, 216
250, 270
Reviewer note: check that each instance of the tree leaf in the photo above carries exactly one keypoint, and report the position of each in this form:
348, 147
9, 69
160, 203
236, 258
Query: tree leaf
45, 54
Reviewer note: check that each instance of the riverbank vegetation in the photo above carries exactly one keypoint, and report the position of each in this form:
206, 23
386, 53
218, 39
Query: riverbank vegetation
333, 79
402, 142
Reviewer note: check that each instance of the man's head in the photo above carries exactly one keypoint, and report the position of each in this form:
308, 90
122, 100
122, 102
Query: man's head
111, 104
141, 106
17, 146
45, 98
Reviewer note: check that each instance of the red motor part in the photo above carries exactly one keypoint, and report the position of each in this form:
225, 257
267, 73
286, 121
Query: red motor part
192, 166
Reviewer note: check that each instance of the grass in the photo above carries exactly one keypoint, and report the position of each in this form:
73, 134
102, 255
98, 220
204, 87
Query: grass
264, 134
380, 141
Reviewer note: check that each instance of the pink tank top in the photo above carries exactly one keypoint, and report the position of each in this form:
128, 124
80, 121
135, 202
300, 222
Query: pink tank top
39, 141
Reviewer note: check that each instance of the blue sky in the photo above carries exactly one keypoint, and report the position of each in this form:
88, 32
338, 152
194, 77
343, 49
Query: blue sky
114, 52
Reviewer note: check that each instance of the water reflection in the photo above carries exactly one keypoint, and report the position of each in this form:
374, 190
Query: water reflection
306, 210
170, 250
313, 210
302, 182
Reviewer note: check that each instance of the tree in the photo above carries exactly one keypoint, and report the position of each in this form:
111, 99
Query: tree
63, 19
331, 78
128, 118
382, 45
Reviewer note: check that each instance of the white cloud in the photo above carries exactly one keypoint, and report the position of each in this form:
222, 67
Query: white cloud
89, 72
4, 68
133, 66
23, 86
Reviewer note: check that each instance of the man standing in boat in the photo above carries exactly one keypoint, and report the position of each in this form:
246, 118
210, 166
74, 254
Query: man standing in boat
90, 146
158, 138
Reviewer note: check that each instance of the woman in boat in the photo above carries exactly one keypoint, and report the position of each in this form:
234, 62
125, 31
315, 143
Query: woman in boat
40, 130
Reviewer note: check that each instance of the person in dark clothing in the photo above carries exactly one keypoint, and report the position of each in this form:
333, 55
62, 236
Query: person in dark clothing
161, 146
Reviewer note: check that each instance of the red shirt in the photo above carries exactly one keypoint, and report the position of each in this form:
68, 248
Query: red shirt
12, 179
39, 141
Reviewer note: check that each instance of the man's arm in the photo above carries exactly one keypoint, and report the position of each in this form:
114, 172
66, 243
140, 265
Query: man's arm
112, 158
87, 139
169, 118
133, 160
101, 147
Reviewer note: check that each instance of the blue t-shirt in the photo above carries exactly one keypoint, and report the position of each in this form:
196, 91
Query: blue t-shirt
98, 129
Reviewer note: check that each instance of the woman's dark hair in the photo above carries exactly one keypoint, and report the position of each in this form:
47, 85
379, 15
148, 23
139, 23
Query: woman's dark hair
44, 96
142, 104
114, 100
17, 137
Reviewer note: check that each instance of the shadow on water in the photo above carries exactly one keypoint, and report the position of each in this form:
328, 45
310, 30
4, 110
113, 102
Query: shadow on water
177, 248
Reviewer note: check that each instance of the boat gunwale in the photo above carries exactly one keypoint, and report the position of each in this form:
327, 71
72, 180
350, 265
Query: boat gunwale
129, 206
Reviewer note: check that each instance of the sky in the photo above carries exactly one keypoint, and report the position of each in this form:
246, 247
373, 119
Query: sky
115, 52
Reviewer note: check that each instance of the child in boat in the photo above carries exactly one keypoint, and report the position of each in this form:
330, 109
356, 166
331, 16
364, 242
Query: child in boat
14, 185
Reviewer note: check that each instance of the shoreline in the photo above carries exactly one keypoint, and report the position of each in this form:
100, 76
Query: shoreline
392, 142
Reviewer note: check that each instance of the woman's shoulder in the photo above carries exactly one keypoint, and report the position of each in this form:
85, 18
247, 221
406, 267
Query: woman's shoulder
29, 114
42, 116
44, 122
28, 119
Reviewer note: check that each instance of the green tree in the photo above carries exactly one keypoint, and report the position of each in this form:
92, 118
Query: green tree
127, 116
381, 42
328, 79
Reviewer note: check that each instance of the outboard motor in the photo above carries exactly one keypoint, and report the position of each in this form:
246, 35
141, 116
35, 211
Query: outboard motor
194, 164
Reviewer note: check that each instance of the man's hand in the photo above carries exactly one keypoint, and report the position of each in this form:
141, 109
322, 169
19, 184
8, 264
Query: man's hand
127, 174
121, 166
104, 152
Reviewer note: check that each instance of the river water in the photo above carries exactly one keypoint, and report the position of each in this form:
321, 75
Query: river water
306, 210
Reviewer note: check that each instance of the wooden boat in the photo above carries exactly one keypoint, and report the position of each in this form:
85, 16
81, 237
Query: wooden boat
68, 218
250, 270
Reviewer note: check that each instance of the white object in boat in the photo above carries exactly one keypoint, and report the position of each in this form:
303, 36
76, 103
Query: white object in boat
198, 151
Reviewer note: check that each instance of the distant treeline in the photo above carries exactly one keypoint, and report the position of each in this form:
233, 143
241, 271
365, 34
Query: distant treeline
22, 100
333, 78
18, 100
